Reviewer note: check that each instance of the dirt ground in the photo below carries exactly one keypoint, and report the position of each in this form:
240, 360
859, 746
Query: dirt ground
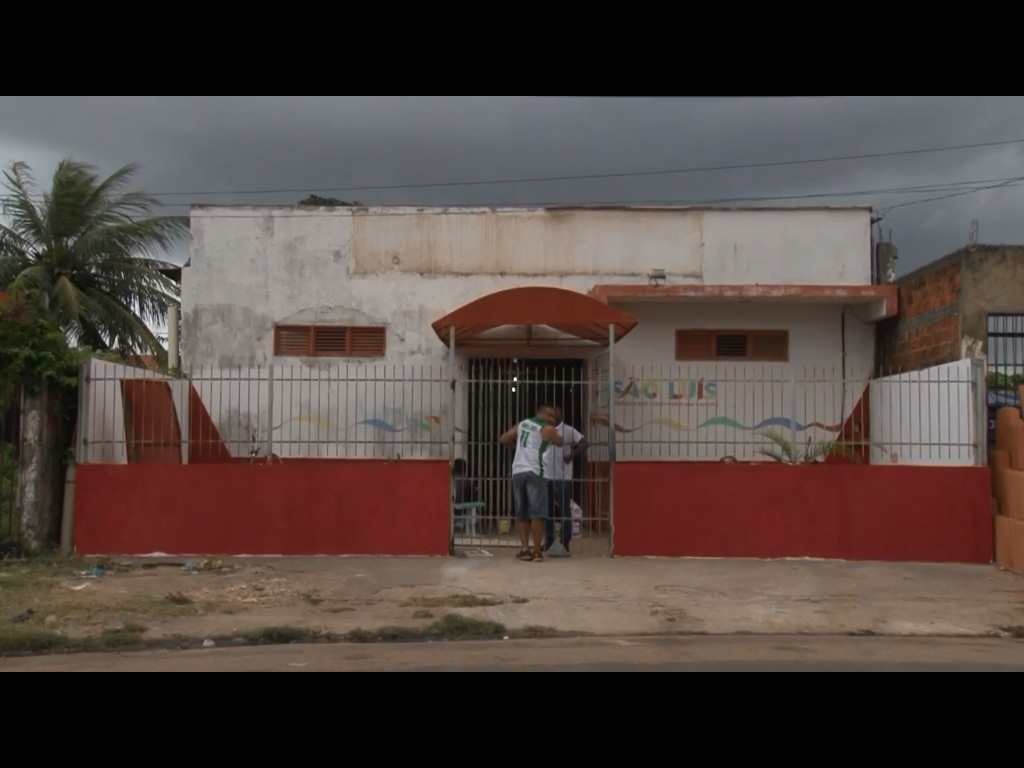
105, 604
81, 605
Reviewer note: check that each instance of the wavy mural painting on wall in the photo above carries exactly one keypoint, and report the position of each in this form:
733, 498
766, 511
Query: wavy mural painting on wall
422, 424
601, 420
425, 423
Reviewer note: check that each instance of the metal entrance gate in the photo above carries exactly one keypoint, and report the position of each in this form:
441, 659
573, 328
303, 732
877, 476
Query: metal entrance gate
500, 393
1005, 352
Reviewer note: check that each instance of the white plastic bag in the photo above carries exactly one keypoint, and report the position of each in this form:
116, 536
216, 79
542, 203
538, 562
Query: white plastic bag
577, 519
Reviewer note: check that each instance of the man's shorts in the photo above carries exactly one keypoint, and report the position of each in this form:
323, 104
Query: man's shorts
530, 494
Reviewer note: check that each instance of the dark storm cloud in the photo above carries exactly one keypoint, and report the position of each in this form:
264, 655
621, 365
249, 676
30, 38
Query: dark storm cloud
212, 144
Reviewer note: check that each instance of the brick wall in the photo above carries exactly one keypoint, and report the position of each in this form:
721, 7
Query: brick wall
927, 330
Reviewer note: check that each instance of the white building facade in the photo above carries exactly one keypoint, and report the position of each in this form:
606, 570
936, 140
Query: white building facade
740, 321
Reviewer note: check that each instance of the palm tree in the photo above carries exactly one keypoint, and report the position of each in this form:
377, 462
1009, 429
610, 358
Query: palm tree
89, 246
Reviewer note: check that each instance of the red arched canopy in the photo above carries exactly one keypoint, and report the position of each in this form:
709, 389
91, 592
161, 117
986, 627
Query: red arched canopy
569, 312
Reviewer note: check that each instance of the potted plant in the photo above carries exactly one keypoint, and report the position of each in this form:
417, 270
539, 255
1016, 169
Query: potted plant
784, 451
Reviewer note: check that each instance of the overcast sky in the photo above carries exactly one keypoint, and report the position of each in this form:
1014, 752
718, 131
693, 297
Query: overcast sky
200, 145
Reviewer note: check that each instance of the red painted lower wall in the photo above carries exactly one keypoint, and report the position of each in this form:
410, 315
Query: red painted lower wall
836, 511
299, 507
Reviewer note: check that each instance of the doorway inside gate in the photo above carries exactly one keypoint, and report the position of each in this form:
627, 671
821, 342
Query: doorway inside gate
502, 392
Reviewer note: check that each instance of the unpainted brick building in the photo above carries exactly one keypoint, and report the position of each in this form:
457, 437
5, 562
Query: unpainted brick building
944, 307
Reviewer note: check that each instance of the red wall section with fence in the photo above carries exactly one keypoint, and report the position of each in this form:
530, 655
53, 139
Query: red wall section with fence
298, 507
836, 511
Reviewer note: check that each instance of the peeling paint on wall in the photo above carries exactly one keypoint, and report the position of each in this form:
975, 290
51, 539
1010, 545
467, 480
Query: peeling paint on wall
529, 242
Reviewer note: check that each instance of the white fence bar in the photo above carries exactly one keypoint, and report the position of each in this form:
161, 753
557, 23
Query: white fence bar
643, 412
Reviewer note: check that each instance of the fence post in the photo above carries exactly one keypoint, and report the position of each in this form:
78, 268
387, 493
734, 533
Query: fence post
611, 441
185, 416
453, 404
81, 441
67, 521
979, 394
270, 412
792, 414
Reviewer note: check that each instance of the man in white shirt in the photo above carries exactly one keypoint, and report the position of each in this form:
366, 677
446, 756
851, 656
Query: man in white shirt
559, 473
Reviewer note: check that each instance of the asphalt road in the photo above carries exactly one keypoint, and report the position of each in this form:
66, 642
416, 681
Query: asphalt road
739, 666
764, 653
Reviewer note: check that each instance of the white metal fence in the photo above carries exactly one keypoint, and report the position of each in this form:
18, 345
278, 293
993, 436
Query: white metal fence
393, 411
660, 413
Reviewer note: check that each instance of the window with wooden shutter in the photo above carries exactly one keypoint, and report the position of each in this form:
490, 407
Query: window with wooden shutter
772, 346
731, 345
366, 341
330, 341
694, 345
292, 341
714, 345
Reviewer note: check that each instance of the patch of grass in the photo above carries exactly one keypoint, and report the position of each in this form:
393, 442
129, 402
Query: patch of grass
154, 606
34, 572
460, 601
22, 639
18, 639
384, 635
451, 627
456, 627
281, 635
129, 634
423, 614
175, 604
536, 632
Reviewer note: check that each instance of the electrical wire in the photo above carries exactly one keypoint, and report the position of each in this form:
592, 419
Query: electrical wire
950, 187
588, 176
956, 188
1005, 183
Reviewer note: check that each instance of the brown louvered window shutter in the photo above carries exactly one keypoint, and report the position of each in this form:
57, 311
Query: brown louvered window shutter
732, 345
329, 341
769, 346
707, 345
293, 340
693, 345
368, 342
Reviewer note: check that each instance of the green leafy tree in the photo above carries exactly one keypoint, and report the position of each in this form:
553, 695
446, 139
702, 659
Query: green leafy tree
33, 349
92, 248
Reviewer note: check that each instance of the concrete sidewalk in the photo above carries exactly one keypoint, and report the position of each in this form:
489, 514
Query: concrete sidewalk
621, 596
641, 596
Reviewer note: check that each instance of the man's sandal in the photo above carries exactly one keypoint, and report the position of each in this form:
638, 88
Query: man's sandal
525, 554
